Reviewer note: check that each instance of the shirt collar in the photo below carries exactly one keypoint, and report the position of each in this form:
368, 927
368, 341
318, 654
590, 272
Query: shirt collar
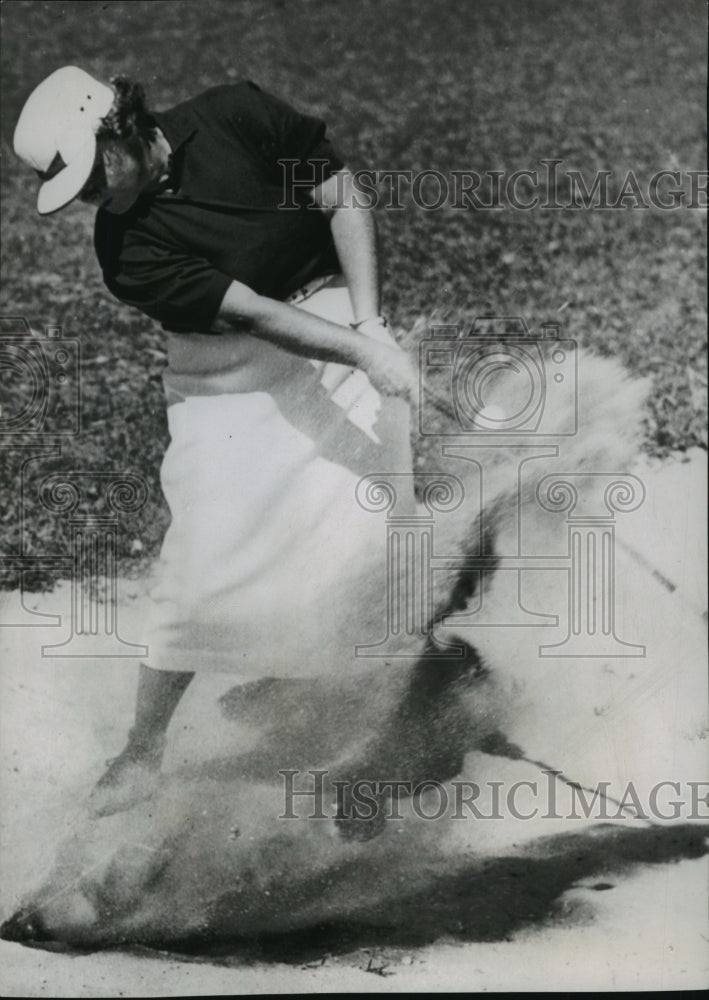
178, 130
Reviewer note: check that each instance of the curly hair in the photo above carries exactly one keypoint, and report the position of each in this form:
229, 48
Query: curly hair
129, 117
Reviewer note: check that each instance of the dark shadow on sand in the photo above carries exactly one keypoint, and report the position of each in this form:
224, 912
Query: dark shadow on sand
485, 900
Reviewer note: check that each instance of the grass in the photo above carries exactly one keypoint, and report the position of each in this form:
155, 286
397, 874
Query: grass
404, 84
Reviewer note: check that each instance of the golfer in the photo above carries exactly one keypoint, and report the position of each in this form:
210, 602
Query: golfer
230, 219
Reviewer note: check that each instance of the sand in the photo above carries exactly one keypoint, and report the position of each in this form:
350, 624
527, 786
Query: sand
496, 904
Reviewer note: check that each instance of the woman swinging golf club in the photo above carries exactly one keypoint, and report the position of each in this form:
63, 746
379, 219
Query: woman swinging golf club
283, 384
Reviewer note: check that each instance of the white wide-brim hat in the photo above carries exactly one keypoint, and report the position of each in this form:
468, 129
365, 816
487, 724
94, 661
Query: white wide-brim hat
56, 133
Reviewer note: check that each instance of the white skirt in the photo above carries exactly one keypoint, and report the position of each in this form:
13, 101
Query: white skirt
270, 566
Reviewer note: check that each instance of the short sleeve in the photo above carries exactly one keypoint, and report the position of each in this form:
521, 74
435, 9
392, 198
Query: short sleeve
181, 291
276, 131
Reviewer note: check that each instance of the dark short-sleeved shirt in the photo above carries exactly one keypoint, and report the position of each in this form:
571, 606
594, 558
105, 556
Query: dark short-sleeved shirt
175, 253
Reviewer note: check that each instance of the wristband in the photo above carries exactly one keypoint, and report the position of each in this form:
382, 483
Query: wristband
378, 320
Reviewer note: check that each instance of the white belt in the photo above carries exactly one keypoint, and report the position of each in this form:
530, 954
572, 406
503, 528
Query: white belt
309, 289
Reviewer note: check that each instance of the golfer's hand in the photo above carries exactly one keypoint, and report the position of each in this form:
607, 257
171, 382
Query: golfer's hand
390, 371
